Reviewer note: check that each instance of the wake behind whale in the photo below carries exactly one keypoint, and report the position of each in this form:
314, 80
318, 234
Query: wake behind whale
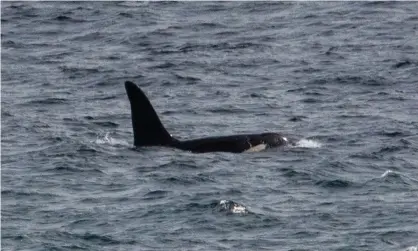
149, 131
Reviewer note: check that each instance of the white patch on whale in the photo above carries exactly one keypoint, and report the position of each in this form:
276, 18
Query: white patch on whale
257, 148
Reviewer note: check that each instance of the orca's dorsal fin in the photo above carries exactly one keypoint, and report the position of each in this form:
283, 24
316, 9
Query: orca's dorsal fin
147, 127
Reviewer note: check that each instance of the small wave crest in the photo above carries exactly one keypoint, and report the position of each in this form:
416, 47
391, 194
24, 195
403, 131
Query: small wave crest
412, 248
308, 143
108, 140
386, 173
398, 177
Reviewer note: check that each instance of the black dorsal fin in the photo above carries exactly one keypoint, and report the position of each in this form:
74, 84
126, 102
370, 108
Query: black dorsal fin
147, 127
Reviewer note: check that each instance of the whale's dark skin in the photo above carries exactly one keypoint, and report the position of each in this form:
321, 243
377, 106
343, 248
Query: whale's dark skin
149, 131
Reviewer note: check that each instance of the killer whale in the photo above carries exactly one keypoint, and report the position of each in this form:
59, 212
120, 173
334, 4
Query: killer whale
149, 131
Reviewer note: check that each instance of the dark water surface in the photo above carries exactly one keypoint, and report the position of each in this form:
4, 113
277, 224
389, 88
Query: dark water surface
340, 78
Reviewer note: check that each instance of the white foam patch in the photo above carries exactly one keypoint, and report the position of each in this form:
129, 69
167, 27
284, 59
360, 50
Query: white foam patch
238, 209
308, 143
233, 207
413, 248
108, 140
256, 148
223, 202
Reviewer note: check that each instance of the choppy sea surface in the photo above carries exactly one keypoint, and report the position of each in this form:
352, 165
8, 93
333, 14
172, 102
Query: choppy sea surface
339, 78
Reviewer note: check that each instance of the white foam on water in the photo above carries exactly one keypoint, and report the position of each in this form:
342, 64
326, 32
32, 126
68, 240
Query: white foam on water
238, 209
233, 207
308, 143
108, 140
412, 248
